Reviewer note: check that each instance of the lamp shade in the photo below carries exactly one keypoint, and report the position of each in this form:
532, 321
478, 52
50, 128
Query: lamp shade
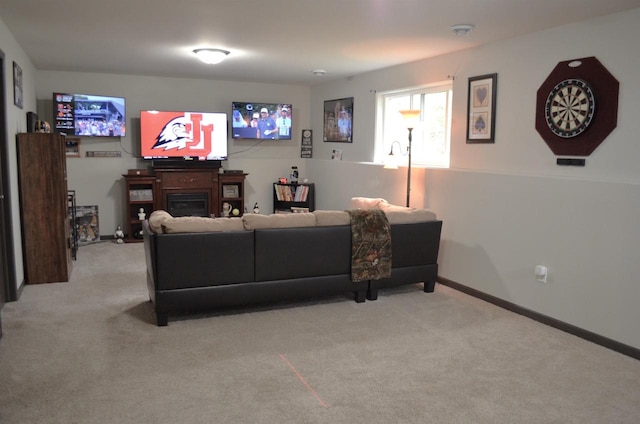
411, 117
211, 56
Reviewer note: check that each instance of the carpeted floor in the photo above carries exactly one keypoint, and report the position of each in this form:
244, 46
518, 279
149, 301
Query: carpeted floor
88, 351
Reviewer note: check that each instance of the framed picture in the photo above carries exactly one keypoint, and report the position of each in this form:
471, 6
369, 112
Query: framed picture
17, 85
87, 224
72, 147
230, 191
338, 120
306, 148
481, 109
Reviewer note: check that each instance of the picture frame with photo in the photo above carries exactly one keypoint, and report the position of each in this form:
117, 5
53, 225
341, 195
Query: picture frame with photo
481, 109
230, 191
338, 120
17, 86
72, 147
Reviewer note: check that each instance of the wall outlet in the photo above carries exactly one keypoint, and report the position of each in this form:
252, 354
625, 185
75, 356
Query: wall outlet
541, 273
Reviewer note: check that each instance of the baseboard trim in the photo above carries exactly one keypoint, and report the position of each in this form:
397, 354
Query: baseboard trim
544, 319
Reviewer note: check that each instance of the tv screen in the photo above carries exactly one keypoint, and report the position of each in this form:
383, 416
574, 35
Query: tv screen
88, 115
269, 121
201, 135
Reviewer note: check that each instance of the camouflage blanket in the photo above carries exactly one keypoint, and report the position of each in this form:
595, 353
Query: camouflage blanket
370, 245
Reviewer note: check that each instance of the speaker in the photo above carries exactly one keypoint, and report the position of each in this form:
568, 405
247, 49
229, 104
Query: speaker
32, 119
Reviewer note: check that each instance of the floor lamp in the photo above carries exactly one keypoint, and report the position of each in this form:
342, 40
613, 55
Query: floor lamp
411, 120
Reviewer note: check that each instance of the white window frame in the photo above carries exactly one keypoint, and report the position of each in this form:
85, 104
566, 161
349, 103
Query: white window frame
434, 151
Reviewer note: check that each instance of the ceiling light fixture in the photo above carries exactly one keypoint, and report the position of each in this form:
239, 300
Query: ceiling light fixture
462, 29
211, 56
319, 72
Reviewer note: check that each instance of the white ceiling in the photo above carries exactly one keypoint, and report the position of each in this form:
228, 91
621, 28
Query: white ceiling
278, 41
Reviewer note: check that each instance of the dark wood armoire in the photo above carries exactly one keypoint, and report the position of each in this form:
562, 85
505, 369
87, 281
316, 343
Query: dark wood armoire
46, 236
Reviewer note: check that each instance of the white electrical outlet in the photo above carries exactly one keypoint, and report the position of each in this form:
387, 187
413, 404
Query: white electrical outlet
541, 273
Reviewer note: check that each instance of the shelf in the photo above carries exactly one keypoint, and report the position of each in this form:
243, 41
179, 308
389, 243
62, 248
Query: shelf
286, 196
140, 191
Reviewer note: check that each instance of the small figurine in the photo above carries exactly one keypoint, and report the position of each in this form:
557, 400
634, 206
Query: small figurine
141, 214
119, 235
226, 209
256, 209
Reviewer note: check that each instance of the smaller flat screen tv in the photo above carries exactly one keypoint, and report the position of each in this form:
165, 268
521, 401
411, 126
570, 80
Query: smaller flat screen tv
187, 135
88, 115
268, 121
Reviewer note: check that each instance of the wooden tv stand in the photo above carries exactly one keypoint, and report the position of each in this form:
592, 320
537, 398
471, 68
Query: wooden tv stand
183, 191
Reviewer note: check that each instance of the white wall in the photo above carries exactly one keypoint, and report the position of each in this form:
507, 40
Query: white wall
507, 207
16, 123
98, 181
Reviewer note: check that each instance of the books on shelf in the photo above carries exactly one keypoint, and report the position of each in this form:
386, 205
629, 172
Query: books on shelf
291, 193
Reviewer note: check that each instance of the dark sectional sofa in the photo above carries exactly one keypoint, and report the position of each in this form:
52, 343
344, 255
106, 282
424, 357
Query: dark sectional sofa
200, 271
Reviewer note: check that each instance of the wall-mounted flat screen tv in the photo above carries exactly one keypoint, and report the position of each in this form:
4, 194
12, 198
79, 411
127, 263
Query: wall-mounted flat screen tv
254, 120
88, 115
188, 135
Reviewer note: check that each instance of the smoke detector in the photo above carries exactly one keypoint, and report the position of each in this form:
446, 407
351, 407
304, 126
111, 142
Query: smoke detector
462, 29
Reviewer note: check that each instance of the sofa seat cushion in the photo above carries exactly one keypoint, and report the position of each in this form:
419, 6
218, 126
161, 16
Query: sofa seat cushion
254, 221
161, 221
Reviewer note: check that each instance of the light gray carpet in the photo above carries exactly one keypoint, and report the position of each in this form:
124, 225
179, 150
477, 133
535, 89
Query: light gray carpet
88, 351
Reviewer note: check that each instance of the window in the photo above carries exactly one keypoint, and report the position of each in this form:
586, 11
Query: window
430, 140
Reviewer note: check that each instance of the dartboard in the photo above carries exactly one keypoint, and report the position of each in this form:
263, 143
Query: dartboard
570, 108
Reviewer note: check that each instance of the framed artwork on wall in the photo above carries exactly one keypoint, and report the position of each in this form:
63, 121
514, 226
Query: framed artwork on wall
72, 147
481, 109
17, 85
338, 120
306, 148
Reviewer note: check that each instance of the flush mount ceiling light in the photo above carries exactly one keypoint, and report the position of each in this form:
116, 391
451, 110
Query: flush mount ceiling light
462, 29
319, 72
211, 56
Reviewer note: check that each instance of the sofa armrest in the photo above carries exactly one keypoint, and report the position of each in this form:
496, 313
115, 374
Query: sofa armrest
415, 244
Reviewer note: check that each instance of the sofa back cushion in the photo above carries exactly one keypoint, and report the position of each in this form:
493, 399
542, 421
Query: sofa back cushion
403, 215
254, 221
366, 202
199, 224
327, 218
162, 222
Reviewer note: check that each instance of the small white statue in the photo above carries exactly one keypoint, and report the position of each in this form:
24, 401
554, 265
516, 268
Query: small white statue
226, 209
141, 214
119, 235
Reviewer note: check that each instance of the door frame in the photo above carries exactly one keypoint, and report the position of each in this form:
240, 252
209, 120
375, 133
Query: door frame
8, 290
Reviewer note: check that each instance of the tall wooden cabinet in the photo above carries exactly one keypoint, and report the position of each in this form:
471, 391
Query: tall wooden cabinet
46, 235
